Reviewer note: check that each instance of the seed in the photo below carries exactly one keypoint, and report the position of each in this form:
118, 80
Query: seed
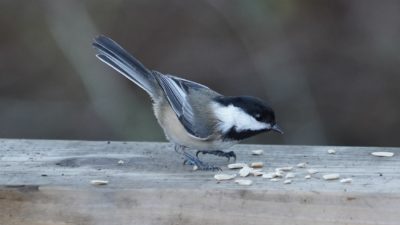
290, 175
286, 168
257, 152
287, 181
269, 175
99, 182
332, 176
120, 162
307, 177
275, 179
301, 165
245, 171
346, 180
244, 182
312, 171
331, 151
257, 164
383, 154
223, 176
279, 173
257, 172
237, 165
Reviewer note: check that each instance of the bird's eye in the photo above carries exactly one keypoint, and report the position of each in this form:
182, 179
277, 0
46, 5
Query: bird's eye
257, 116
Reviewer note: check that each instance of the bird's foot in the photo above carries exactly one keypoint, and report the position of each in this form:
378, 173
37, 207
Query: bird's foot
218, 153
191, 160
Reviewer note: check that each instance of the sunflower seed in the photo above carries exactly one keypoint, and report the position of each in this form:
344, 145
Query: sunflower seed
256, 172
244, 182
301, 165
223, 176
290, 175
257, 164
285, 169
383, 154
245, 171
346, 180
287, 181
333, 176
269, 175
257, 152
331, 151
99, 182
312, 171
279, 173
237, 165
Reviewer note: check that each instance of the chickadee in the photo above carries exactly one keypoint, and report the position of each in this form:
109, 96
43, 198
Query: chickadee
191, 114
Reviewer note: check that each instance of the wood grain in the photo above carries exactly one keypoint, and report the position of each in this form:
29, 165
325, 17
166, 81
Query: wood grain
48, 182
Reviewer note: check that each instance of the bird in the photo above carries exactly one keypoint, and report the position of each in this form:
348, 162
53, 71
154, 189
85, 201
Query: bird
192, 116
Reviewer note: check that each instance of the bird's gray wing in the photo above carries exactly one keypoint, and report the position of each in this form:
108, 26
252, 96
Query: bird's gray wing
177, 92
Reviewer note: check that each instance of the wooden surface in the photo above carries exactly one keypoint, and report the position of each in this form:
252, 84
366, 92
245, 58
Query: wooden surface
48, 182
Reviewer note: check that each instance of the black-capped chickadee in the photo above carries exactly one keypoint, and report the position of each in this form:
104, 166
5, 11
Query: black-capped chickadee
191, 114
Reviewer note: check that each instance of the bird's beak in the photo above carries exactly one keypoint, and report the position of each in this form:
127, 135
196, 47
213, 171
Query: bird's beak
276, 128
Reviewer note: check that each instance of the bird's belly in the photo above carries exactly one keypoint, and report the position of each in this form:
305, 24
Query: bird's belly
176, 133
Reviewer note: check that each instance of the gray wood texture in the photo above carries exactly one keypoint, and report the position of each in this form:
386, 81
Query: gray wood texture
48, 182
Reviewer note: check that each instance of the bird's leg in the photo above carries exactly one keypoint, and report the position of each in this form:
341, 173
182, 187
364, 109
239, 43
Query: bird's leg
192, 160
200, 164
180, 149
218, 153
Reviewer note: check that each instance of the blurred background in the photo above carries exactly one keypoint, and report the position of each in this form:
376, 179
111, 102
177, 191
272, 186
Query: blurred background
330, 69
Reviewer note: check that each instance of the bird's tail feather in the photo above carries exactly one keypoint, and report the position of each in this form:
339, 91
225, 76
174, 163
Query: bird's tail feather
115, 56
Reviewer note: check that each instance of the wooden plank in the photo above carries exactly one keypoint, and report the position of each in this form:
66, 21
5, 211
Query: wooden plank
48, 182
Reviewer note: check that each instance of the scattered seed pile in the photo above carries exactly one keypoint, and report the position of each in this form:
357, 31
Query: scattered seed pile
284, 174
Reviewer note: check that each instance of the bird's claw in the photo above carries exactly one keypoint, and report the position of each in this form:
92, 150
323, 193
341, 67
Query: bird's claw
191, 160
218, 153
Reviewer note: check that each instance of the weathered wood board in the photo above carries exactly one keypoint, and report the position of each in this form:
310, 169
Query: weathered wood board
48, 182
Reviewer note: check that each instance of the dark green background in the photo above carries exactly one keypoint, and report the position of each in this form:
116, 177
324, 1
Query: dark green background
331, 69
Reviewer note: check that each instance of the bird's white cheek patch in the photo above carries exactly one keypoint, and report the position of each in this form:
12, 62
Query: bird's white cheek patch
232, 116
